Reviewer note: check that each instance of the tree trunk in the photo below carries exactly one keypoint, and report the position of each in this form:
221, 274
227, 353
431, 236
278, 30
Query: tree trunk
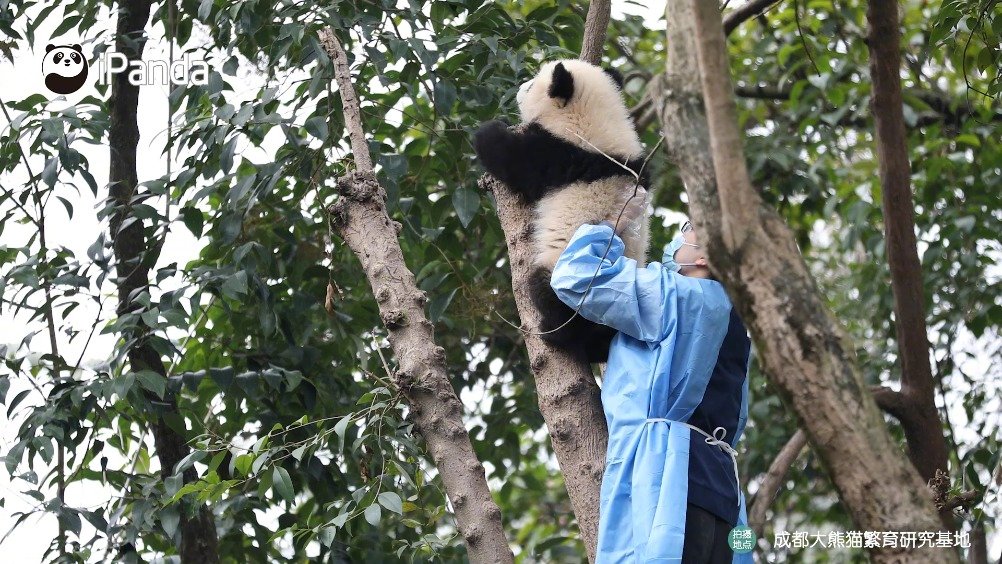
596, 28
804, 352
360, 218
569, 398
134, 258
920, 420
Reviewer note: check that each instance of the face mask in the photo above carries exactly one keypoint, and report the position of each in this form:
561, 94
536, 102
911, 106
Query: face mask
669, 258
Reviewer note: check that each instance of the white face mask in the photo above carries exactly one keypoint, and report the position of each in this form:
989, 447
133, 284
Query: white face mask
671, 249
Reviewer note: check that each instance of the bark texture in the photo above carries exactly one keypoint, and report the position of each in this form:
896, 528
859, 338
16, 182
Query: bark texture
134, 258
360, 218
923, 429
596, 27
569, 398
805, 353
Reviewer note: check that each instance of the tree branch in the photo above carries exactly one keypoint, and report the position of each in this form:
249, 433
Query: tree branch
892, 401
773, 480
923, 429
745, 12
806, 355
360, 218
596, 27
943, 107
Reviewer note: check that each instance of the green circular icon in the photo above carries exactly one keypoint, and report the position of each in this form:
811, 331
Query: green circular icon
741, 539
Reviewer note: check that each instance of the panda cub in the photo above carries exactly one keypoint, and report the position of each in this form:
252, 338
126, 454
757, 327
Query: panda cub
64, 68
568, 110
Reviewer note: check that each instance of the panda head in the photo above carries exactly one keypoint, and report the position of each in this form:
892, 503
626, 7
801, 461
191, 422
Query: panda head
573, 99
64, 68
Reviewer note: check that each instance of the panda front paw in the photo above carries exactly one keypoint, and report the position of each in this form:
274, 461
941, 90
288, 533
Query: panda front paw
489, 137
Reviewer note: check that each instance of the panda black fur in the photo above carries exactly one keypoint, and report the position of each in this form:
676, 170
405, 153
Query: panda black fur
568, 181
64, 68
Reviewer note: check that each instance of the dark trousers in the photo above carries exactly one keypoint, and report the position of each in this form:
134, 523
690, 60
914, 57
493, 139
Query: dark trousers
705, 538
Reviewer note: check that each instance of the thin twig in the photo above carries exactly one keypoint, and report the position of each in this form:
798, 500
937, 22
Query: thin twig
800, 33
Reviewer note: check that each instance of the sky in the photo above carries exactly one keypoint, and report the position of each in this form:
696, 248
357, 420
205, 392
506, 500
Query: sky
78, 232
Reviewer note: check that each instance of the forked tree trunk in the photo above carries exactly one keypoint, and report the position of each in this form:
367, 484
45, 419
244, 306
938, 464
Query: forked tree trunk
805, 353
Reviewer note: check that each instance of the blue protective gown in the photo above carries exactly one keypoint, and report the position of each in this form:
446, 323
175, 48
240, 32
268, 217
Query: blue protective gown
670, 329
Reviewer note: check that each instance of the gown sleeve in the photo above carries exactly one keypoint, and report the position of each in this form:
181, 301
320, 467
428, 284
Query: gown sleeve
623, 295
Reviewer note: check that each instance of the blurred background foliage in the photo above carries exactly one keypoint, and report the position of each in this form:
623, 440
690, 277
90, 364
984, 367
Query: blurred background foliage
302, 445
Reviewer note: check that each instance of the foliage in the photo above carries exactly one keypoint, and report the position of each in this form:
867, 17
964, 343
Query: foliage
302, 444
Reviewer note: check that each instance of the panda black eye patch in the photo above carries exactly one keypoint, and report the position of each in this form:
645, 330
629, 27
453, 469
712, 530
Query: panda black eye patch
58, 57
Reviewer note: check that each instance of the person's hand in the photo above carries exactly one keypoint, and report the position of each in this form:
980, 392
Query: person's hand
636, 207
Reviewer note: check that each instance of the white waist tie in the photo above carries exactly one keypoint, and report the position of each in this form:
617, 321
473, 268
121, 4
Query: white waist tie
710, 440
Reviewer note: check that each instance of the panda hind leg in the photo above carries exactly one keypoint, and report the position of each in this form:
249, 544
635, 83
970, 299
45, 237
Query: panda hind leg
579, 334
597, 340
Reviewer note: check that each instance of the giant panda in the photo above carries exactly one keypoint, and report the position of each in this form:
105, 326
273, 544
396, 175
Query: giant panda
570, 109
64, 68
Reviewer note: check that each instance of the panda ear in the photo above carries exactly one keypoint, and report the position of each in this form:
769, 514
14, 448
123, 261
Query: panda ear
77, 47
49, 47
561, 84
616, 77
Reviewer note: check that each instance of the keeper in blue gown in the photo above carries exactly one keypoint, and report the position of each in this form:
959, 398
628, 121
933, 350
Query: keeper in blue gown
675, 396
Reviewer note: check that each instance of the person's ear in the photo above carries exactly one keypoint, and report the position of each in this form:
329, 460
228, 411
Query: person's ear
701, 261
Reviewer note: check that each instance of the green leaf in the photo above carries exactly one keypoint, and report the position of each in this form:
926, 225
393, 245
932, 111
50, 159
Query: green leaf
226, 159
169, 520
391, 501
467, 203
439, 304
317, 127
260, 461
235, 285
152, 381
445, 97
373, 514
341, 426
283, 484
969, 139
242, 463
327, 535
190, 487
193, 219
67, 25
394, 166
50, 172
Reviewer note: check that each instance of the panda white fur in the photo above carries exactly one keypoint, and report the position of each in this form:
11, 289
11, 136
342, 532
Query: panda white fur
548, 162
64, 68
